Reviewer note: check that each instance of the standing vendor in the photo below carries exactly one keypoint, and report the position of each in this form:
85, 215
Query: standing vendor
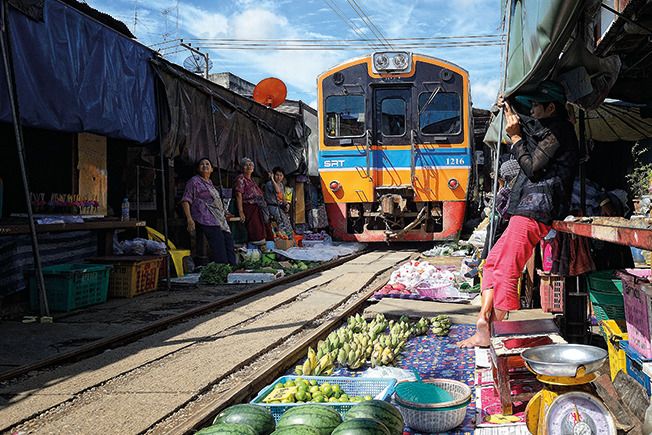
545, 147
204, 211
252, 207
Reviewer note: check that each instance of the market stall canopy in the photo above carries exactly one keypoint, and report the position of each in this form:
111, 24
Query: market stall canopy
613, 122
203, 119
74, 74
538, 31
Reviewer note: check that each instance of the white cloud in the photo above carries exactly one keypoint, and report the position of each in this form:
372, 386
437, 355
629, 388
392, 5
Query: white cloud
258, 24
201, 23
484, 93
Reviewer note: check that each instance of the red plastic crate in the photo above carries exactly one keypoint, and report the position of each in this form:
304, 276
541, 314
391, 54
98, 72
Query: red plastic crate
551, 289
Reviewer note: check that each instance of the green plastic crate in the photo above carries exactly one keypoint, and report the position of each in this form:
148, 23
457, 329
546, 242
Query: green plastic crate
607, 306
604, 281
71, 286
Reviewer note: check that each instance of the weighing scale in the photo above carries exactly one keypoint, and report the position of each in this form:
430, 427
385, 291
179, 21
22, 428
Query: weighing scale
567, 404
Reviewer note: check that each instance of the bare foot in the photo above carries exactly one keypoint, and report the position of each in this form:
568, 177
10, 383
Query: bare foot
480, 338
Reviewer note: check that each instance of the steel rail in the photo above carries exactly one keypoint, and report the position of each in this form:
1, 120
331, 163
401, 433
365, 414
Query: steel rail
250, 388
100, 346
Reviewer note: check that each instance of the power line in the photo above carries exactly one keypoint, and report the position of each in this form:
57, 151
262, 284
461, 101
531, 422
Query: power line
370, 24
358, 31
339, 48
420, 38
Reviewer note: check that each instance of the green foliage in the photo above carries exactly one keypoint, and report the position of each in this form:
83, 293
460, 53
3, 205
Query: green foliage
639, 179
214, 273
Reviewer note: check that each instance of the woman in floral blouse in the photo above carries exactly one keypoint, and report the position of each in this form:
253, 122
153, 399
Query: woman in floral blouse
251, 204
204, 211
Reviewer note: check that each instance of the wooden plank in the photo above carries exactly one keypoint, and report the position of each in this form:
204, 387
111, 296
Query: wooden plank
637, 237
11, 230
607, 392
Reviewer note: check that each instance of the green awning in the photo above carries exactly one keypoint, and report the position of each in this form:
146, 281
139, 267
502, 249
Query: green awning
538, 31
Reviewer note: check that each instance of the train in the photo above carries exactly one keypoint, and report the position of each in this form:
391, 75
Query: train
395, 147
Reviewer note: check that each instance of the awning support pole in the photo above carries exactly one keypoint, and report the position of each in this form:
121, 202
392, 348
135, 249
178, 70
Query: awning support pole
492, 224
20, 147
164, 195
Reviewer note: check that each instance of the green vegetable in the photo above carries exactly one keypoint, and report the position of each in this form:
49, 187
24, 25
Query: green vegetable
214, 273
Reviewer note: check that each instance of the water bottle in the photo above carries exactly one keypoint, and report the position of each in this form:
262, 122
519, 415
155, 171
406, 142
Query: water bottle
125, 209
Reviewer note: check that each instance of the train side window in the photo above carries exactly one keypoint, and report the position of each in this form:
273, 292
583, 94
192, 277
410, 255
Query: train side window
345, 115
393, 112
443, 116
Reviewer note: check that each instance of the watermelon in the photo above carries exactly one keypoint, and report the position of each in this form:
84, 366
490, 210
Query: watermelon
258, 417
319, 417
296, 429
227, 429
361, 426
381, 411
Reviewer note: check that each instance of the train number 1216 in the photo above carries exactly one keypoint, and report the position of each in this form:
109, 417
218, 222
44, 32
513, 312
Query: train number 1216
456, 161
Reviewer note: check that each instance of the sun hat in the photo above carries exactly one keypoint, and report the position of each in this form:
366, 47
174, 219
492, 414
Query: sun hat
548, 91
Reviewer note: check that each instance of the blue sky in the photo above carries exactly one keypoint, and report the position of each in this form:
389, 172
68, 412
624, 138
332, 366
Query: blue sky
315, 19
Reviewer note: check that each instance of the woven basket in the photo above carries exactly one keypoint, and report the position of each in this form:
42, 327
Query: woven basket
440, 417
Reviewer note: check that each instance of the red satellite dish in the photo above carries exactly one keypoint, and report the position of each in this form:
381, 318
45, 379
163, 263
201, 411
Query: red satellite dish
270, 92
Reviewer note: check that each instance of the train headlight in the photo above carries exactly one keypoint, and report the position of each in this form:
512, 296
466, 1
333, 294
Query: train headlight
381, 61
400, 60
453, 184
392, 62
335, 186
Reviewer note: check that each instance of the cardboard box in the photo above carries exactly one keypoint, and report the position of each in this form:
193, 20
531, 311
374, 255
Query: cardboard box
283, 244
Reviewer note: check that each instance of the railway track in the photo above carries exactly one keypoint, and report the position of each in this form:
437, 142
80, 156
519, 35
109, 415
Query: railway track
117, 340
176, 379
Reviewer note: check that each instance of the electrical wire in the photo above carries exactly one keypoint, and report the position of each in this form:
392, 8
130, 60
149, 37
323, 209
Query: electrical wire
358, 31
370, 24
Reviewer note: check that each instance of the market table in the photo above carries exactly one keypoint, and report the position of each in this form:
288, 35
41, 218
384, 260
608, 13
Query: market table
103, 227
614, 230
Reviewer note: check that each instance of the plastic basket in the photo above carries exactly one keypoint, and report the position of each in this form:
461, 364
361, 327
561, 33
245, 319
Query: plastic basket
71, 286
130, 276
607, 306
614, 332
551, 289
604, 281
378, 388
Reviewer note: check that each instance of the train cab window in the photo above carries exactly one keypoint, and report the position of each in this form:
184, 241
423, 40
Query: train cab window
393, 112
345, 115
442, 116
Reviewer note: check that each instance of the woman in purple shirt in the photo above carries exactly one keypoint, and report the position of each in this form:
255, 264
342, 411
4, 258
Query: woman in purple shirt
204, 211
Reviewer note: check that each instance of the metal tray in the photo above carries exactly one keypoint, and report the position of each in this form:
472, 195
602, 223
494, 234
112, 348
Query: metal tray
566, 360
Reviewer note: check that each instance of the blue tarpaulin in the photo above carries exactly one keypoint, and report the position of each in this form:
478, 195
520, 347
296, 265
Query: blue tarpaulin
74, 74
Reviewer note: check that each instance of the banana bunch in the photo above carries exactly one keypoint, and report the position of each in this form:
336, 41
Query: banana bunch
421, 327
357, 323
441, 325
315, 366
400, 329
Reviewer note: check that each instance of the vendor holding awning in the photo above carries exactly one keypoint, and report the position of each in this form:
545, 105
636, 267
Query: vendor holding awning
545, 146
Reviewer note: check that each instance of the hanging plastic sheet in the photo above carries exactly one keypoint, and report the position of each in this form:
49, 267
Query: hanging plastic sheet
74, 74
203, 119
537, 34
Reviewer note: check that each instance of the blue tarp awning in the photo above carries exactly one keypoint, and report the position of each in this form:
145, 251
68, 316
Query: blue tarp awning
74, 74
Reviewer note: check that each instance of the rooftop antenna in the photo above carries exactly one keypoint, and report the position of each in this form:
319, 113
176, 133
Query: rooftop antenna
198, 62
135, 15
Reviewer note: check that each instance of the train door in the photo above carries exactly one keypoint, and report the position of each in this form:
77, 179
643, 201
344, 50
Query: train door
392, 112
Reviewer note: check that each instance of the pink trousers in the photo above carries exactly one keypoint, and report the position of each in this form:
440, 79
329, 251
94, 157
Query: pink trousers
507, 258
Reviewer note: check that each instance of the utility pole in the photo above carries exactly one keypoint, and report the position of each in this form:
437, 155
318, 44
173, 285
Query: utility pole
201, 53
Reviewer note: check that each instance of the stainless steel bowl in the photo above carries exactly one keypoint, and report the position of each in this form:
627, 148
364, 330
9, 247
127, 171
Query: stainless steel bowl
567, 360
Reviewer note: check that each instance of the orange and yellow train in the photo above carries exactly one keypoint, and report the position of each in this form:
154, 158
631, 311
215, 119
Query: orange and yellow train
395, 146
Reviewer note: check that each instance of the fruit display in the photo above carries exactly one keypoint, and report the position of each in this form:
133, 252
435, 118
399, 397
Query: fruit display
227, 429
301, 390
296, 429
257, 417
361, 426
441, 325
378, 342
319, 417
269, 263
378, 410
